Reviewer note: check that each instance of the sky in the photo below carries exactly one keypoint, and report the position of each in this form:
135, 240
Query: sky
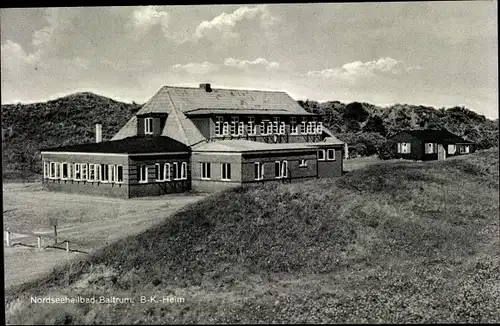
439, 54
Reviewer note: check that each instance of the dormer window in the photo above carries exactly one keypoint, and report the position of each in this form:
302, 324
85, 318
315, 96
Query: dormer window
148, 126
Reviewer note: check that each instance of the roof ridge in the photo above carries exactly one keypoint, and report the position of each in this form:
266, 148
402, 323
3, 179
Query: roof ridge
228, 89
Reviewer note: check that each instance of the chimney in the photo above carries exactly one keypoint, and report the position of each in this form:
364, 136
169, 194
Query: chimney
206, 87
98, 133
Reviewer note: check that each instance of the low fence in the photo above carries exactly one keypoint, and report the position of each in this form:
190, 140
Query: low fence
40, 239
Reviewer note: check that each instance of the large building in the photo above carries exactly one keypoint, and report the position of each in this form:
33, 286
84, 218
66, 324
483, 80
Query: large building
202, 139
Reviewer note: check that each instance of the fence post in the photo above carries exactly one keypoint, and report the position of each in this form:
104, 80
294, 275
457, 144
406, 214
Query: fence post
7, 237
39, 242
67, 246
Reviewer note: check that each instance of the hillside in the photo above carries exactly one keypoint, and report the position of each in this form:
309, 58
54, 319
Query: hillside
71, 120
365, 126
64, 121
392, 243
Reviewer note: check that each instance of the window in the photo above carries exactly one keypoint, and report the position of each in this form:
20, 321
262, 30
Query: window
251, 128
64, 171
319, 128
282, 128
83, 169
234, 125
303, 126
330, 154
91, 172
97, 172
159, 172
303, 163
167, 171
280, 169
225, 128
119, 173
263, 124
104, 173
314, 123
111, 173
218, 125
404, 148
184, 170
148, 126
70, 171
464, 149
309, 129
452, 149
52, 169
241, 128
143, 173
205, 171
175, 171
276, 125
269, 128
78, 175
258, 171
428, 148
226, 171
321, 155
293, 125
46, 168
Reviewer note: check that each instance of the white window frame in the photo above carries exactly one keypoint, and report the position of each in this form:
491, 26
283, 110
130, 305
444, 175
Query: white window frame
284, 169
70, 170
46, 169
260, 171
148, 126
83, 167
309, 129
276, 125
303, 124
176, 170
241, 128
234, 125
78, 172
116, 173
104, 173
111, 173
251, 127
313, 124
263, 127
303, 163
97, 168
166, 172
277, 164
324, 155
319, 128
140, 179
225, 128
293, 126
219, 120
328, 151
269, 130
52, 170
282, 128
158, 168
224, 168
91, 173
184, 171
205, 171
429, 149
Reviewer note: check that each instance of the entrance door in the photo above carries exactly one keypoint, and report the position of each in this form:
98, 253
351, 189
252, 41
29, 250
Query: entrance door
441, 152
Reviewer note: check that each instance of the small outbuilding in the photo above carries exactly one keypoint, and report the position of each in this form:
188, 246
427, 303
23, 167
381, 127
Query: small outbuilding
430, 144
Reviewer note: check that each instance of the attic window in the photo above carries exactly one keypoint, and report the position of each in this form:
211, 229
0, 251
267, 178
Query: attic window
148, 126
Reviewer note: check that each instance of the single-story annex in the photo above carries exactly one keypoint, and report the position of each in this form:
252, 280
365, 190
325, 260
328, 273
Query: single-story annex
202, 139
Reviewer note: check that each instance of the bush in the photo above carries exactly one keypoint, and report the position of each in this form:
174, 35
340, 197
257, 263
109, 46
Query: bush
387, 150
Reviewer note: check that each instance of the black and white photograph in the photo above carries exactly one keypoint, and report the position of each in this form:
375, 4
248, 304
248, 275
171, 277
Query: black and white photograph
251, 163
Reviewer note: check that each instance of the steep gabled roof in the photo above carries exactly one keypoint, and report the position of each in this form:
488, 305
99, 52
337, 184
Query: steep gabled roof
438, 136
177, 102
129, 145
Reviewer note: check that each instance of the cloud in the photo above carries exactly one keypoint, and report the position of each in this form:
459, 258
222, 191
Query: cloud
356, 70
196, 68
148, 16
231, 63
225, 23
244, 64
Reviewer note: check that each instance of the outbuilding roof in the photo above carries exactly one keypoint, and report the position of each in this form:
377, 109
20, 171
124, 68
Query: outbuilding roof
438, 136
129, 145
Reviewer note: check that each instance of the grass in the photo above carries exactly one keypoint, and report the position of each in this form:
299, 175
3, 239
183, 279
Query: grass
391, 243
